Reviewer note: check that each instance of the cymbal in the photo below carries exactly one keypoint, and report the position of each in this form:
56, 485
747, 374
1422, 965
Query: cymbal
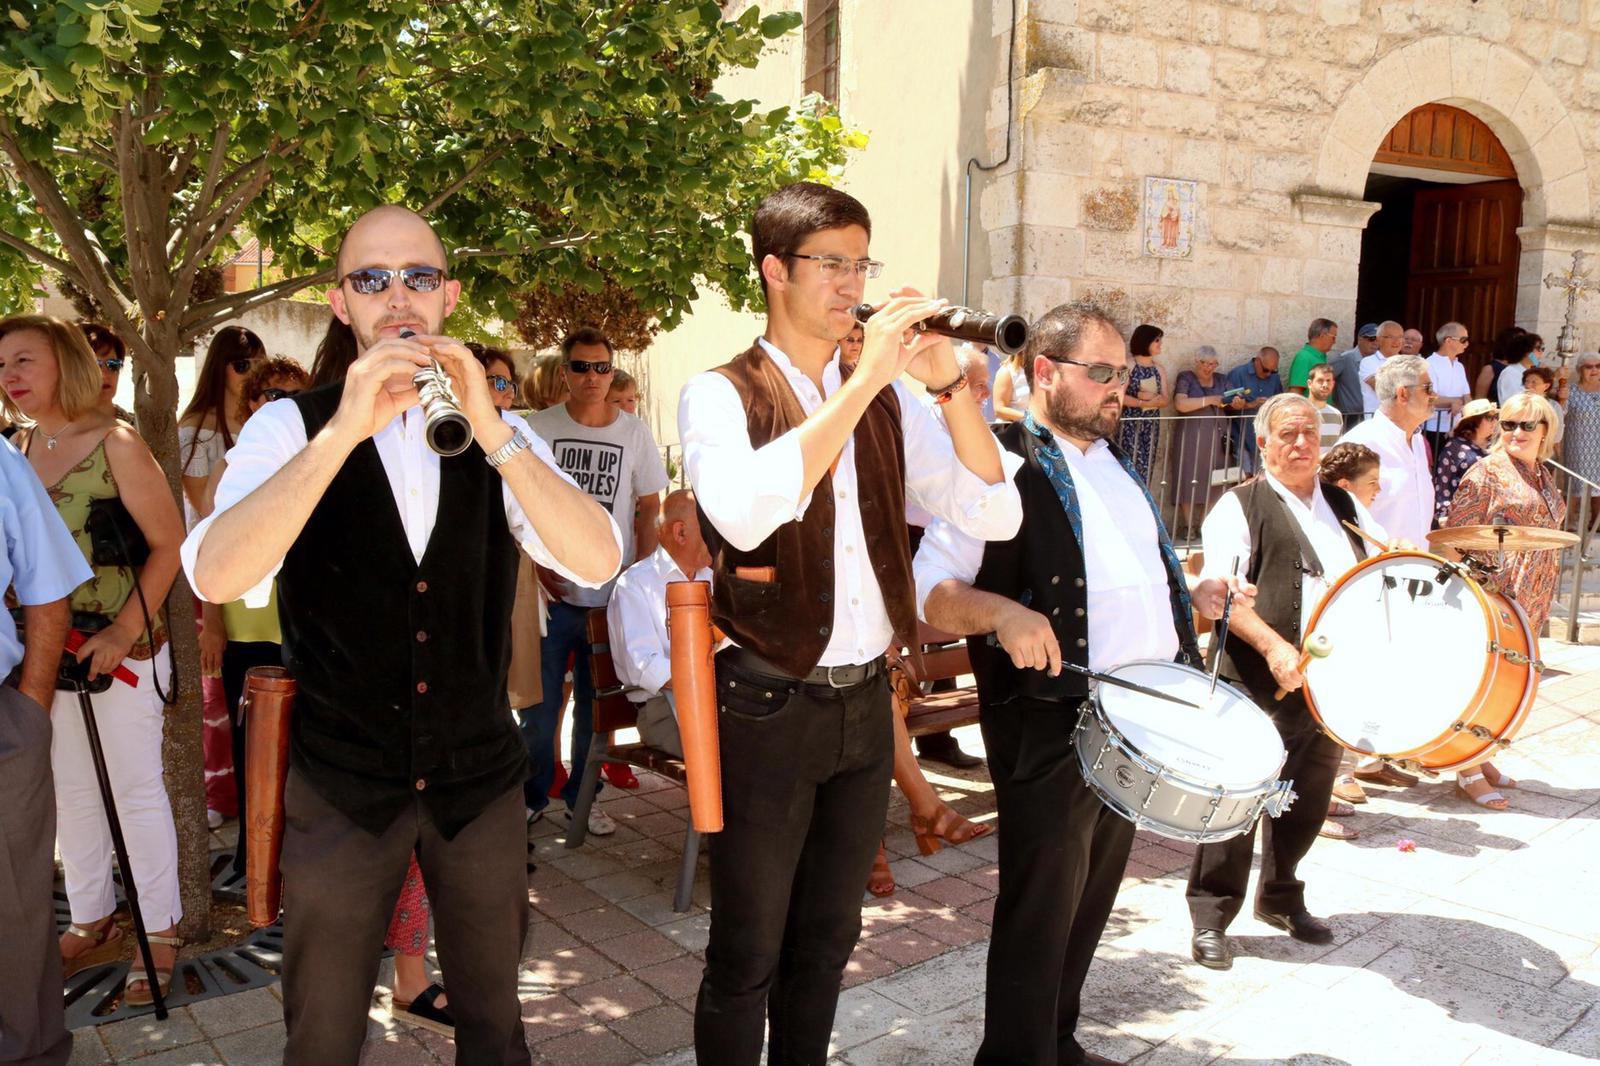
1489, 538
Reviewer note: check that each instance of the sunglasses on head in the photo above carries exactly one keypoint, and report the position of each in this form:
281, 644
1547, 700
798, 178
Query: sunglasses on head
112, 364
370, 280
501, 383
1099, 373
584, 366
1526, 427
241, 366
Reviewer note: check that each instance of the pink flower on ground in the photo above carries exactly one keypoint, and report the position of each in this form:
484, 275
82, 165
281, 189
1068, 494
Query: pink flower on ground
1406, 844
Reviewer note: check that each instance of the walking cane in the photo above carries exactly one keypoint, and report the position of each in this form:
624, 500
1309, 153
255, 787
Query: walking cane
86, 705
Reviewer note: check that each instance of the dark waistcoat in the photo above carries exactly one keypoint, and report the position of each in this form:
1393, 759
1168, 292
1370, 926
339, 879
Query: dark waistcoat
401, 667
1278, 573
1042, 568
788, 622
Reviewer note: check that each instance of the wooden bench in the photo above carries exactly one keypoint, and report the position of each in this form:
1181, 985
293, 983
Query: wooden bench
614, 711
944, 658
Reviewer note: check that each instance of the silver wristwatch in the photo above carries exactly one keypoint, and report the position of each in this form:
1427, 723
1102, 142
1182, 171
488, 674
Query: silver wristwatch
502, 455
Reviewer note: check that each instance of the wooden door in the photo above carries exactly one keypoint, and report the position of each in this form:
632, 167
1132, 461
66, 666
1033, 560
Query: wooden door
1464, 256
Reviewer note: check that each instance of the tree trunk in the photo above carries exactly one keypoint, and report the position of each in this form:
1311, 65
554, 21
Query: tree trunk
183, 754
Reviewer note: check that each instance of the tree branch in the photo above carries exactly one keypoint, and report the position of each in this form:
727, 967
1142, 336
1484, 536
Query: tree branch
461, 182
215, 312
39, 255
88, 155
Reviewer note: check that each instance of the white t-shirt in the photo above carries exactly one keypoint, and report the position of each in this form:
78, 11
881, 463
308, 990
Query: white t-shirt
1449, 377
1020, 389
1369, 369
615, 464
1510, 382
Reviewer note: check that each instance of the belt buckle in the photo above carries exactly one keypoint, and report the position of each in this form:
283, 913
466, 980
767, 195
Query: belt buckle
835, 684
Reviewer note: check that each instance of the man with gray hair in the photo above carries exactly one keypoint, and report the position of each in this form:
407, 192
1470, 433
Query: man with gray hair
1287, 529
1321, 336
1390, 336
1451, 390
1412, 342
1405, 400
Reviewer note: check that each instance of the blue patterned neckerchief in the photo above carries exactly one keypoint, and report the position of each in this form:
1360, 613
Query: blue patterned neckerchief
1055, 468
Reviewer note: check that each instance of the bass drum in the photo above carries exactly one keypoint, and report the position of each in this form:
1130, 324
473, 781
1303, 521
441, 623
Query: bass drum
1426, 665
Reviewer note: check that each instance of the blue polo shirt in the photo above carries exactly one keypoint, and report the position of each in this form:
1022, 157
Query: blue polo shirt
1244, 376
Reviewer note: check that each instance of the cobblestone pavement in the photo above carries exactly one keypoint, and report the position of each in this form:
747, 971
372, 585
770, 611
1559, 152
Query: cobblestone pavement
1481, 946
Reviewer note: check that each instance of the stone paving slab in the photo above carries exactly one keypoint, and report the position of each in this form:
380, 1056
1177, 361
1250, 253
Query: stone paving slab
1479, 948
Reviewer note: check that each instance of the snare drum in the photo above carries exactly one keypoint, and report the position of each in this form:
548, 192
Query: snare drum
1199, 774
1426, 664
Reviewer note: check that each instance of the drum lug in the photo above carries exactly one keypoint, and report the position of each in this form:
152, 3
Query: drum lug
1414, 767
1481, 732
1100, 760
1155, 783
1280, 799
1516, 658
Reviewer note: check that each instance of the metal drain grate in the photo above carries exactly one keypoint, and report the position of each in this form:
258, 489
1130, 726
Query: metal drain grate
94, 997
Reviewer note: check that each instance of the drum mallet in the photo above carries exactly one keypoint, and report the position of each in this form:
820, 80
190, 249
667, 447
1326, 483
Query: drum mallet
1318, 646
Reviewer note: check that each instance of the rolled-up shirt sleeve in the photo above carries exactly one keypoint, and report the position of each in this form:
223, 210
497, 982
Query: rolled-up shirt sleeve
938, 482
641, 660
517, 519
747, 492
946, 553
272, 436
1225, 536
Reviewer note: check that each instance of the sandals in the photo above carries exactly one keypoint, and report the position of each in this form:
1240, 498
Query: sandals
1491, 800
881, 881
945, 827
1339, 810
1337, 831
136, 974
424, 1012
107, 946
1498, 779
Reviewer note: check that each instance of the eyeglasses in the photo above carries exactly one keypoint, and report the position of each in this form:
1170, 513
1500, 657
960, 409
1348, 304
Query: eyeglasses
1526, 427
370, 280
1425, 386
1099, 373
501, 383
278, 394
584, 366
833, 266
241, 366
112, 364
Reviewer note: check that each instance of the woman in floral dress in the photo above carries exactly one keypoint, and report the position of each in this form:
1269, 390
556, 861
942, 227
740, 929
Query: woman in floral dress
1467, 443
1512, 484
1139, 431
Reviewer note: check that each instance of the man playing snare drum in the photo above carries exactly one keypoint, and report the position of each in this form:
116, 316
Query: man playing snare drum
1286, 530
1091, 577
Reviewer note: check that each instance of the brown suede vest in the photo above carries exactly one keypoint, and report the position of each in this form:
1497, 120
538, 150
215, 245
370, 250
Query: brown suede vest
789, 621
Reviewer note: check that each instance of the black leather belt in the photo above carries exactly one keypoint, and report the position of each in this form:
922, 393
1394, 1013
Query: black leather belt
822, 676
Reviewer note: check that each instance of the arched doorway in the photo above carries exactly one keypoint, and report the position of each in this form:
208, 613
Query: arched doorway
1443, 245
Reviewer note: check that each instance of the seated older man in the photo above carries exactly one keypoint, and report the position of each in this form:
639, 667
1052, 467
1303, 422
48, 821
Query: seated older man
637, 620
1287, 529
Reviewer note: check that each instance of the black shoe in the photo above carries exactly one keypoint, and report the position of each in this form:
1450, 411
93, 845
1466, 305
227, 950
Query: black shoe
1210, 949
945, 749
1300, 925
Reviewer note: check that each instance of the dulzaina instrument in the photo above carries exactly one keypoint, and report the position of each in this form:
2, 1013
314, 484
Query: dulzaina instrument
1200, 774
267, 712
694, 687
444, 427
1427, 667
1006, 334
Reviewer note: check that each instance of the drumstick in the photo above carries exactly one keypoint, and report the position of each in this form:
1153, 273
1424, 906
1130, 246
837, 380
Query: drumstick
1220, 635
1318, 646
1368, 537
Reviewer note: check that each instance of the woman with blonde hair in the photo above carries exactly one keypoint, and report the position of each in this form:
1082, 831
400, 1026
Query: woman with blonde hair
544, 385
1513, 484
1011, 389
51, 379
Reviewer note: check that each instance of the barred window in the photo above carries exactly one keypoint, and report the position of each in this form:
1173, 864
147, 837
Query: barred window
822, 49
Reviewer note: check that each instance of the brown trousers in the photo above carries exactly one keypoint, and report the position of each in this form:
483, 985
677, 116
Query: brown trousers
340, 884
32, 1029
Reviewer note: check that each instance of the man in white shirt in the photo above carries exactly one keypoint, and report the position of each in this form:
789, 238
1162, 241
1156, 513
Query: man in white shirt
1287, 529
1451, 389
641, 649
802, 470
1390, 336
402, 740
612, 456
1412, 342
1405, 502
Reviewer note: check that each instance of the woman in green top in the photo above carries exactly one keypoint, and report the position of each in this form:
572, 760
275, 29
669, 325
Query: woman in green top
52, 383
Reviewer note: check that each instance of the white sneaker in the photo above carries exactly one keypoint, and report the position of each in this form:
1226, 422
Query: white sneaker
600, 823
214, 819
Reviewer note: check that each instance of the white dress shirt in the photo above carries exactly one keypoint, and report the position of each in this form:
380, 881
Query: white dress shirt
1449, 377
1129, 612
1509, 382
641, 647
276, 434
1405, 494
1370, 365
749, 492
1226, 536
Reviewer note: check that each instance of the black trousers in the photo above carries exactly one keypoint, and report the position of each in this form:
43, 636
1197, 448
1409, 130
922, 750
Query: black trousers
1221, 872
1062, 854
237, 657
340, 884
805, 780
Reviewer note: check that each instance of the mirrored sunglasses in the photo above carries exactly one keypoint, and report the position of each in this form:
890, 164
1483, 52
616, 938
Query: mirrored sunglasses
501, 383
113, 364
371, 280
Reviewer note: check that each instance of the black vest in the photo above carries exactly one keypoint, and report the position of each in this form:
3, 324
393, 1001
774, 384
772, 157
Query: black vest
1277, 572
401, 667
1042, 568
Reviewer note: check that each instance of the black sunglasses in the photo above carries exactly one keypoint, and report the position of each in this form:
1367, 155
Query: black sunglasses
113, 364
278, 394
501, 383
584, 366
241, 366
370, 280
1526, 427
1099, 373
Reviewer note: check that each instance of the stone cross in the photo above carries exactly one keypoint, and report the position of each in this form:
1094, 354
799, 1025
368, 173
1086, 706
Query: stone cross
1575, 282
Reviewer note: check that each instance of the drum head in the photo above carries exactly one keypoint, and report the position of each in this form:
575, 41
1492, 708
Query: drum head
1408, 654
1227, 742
